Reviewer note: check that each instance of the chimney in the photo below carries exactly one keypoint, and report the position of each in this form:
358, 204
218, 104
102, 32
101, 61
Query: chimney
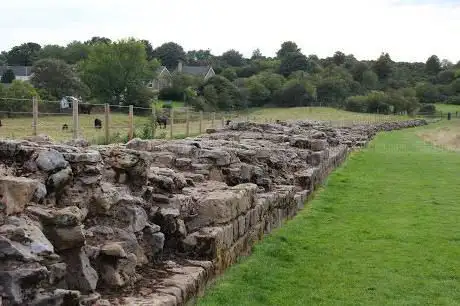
179, 66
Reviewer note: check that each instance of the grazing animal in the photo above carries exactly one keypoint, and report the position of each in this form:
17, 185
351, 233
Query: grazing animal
228, 122
278, 122
85, 108
162, 120
97, 123
65, 127
1, 123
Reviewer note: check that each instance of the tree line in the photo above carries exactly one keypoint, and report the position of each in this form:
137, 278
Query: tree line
116, 72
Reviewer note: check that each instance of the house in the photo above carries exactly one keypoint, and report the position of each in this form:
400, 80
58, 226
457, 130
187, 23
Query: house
205, 72
162, 80
22, 73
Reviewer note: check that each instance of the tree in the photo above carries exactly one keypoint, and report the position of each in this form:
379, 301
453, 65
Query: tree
23, 55
256, 54
57, 79
199, 57
433, 65
97, 39
383, 66
295, 93
222, 94
258, 93
52, 51
293, 61
233, 58
357, 71
229, 73
8, 77
76, 51
148, 49
446, 64
286, 48
339, 58
169, 54
446, 76
369, 80
332, 90
22, 92
113, 83
3, 58
427, 93
272, 81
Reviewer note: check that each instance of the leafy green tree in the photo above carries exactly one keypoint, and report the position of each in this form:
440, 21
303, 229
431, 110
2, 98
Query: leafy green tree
52, 51
256, 54
23, 55
148, 49
332, 91
295, 93
233, 58
22, 94
57, 79
358, 70
427, 93
456, 86
76, 51
113, 83
339, 58
199, 57
286, 48
383, 67
229, 73
8, 77
98, 39
370, 80
291, 62
3, 58
446, 64
169, 54
433, 65
258, 93
272, 81
228, 95
446, 76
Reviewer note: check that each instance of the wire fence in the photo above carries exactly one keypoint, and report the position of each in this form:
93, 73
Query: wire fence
103, 123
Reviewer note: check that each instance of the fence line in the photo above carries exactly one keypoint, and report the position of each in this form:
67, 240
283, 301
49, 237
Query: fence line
124, 122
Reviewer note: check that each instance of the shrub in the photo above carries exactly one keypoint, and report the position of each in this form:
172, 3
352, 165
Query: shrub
427, 109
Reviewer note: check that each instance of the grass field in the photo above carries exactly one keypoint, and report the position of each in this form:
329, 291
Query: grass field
52, 125
384, 231
445, 108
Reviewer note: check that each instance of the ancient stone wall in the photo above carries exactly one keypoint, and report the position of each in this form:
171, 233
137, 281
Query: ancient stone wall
150, 222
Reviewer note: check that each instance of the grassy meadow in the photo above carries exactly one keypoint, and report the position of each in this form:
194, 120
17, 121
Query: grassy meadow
383, 231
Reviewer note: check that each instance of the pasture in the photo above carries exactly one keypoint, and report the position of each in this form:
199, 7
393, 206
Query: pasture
51, 125
383, 231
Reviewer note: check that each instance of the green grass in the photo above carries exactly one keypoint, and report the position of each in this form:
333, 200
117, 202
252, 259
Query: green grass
445, 108
385, 231
119, 122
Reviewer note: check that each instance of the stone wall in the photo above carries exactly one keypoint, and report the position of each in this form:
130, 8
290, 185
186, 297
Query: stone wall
150, 222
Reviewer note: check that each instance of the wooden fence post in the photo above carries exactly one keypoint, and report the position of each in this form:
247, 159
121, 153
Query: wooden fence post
35, 115
172, 124
154, 116
223, 121
187, 123
75, 119
201, 122
106, 123
131, 123
213, 118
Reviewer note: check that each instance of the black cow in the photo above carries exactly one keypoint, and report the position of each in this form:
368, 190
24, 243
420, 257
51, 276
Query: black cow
85, 108
97, 123
228, 122
162, 120
65, 127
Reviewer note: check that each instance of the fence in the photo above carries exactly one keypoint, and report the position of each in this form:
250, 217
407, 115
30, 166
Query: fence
28, 117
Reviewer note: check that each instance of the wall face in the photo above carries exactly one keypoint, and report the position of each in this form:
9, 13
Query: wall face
153, 221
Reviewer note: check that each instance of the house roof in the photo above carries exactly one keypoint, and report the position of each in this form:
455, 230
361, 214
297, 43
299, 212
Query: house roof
18, 70
196, 70
161, 70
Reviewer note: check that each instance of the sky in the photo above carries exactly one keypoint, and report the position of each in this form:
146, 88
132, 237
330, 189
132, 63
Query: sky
409, 30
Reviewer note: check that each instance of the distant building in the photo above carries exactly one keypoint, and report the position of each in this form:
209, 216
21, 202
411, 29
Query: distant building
204, 72
22, 73
163, 79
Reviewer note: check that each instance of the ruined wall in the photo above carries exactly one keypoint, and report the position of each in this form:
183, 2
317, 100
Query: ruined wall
148, 223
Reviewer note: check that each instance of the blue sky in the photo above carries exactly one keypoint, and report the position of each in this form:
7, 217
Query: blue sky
409, 30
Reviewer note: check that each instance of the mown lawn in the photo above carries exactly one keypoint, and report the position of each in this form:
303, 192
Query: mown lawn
385, 231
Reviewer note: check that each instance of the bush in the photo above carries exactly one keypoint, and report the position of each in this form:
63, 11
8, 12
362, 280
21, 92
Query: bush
453, 100
427, 109
356, 104
171, 93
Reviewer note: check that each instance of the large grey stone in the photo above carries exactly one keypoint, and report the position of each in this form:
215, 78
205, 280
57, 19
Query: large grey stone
51, 160
16, 193
80, 274
59, 179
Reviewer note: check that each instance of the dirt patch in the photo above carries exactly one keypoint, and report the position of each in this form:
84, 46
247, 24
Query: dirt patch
447, 137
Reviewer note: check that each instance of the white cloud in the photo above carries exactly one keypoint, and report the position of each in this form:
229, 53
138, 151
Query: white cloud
403, 28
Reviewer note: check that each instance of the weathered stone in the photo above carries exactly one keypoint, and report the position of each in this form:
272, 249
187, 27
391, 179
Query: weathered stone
318, 145
57, 272
134, 216
113, 249
64, 238
60, 179
51, 160
15, 282
219, 157
80, 275
16, 193
67, 217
